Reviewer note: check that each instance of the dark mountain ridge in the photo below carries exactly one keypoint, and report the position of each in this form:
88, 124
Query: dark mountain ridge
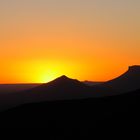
67, 103
64, 88
129, 81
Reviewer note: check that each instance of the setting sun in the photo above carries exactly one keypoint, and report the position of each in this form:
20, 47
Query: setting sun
70, 63
87, 40
48, 76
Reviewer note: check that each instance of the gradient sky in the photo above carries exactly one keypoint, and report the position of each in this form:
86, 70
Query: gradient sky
84, 39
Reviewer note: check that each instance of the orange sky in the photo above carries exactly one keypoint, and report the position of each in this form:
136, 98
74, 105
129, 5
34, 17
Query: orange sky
41, 40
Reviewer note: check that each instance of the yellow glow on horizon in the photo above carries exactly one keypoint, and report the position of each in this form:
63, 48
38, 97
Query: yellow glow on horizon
83, 39
47, 76
41, 71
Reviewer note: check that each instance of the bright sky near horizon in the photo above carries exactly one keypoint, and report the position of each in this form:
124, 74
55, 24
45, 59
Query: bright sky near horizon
84, 39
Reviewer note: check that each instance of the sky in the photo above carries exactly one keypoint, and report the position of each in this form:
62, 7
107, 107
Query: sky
84, 39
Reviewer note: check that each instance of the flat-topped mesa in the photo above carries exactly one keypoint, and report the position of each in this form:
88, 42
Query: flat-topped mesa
134, 68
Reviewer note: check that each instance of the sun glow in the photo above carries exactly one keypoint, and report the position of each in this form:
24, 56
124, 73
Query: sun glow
87, 40
44, 78
44, 72
40, 71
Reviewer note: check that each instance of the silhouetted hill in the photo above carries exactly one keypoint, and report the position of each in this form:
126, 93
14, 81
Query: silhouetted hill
62, 88
128, 81
62, 82
121, 112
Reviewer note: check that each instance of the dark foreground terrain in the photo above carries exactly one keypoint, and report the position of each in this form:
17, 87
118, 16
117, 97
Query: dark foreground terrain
121, 111
68, 103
